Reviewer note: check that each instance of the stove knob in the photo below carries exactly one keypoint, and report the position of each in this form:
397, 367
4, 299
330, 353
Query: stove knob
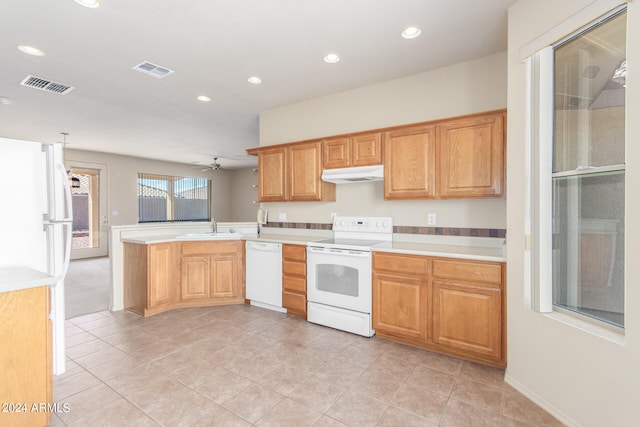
379, 224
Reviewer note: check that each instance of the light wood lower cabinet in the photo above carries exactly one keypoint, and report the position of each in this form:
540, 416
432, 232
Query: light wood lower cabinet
400, 296
26, 377
211, 272
468, 318
158, 277
449, 305
294, 279
467, 306
151, 275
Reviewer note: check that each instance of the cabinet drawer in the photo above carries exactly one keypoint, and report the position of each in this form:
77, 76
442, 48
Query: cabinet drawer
294, 252
294, 301
208, 248
406, 264
297, 284
294, 268
468, 271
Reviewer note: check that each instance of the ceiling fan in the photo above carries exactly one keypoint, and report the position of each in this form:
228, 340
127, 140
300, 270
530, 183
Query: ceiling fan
215, 166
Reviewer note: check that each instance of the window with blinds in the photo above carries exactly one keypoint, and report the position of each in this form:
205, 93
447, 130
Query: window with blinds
165, 198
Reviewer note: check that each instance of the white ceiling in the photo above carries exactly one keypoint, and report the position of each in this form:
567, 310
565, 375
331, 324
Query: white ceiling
214, 46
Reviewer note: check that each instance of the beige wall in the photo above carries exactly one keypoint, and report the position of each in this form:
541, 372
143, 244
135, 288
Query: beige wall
464, 88
228, 201
581, 376
243, 200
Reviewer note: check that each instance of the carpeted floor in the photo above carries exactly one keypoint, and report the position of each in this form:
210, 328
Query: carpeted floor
87, 286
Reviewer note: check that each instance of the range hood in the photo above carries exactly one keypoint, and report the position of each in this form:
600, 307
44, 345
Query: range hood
354, 174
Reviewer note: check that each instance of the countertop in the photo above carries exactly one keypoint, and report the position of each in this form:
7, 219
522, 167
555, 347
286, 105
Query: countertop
478, 253
291, 239
149, 240
17, 278
478, 249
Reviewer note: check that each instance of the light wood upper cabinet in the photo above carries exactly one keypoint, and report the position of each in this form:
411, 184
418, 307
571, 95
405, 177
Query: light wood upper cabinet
366, 149
357, 150
409, 163
272, 176
453, 158
471, 157
305, 169
292, 172
337, 153
461, 157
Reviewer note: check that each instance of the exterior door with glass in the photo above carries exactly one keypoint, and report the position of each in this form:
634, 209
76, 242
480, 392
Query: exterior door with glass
90, 220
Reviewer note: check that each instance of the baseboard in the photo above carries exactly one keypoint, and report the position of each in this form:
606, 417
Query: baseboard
544, 404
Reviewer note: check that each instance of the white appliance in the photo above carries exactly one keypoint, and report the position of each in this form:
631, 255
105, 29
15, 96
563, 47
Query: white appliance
264, 274
353, 174
36, 221
339, 273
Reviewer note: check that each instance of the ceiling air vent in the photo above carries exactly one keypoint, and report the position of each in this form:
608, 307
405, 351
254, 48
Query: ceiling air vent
153, 70
46, 85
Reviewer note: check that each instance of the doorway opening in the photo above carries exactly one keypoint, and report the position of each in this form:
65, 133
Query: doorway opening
88, 194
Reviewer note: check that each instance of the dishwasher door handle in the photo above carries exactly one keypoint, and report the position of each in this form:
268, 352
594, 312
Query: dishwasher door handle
265, 247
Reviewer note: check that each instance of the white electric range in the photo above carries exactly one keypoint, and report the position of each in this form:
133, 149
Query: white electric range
339, 273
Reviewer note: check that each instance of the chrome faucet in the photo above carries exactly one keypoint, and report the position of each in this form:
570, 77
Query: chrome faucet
215, 225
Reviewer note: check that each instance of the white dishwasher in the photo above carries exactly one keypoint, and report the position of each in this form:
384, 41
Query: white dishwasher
264, 274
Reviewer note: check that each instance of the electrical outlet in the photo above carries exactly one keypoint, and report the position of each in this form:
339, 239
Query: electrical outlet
282, 216
431, 219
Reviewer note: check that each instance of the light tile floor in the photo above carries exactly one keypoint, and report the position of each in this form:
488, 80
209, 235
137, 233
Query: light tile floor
242, 365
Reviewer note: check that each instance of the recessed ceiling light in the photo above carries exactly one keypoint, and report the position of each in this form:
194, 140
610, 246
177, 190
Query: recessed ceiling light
411, 32
5, 101
89, 3
30, 50
254, 80
331, 58
204, 98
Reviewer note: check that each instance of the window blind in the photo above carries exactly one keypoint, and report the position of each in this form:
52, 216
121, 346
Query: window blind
166, 198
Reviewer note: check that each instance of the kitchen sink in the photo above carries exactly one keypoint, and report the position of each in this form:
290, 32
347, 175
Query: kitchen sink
210, 236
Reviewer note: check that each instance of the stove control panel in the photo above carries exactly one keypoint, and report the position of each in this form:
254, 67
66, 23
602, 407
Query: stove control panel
363, 224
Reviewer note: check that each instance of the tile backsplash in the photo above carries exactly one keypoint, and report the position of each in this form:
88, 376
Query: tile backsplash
403, 229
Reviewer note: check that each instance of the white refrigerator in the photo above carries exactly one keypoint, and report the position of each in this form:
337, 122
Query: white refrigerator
36, 221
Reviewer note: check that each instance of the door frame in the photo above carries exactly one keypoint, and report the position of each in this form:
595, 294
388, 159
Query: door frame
103, 214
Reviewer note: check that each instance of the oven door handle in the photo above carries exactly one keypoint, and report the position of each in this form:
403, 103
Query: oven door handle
341, 252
